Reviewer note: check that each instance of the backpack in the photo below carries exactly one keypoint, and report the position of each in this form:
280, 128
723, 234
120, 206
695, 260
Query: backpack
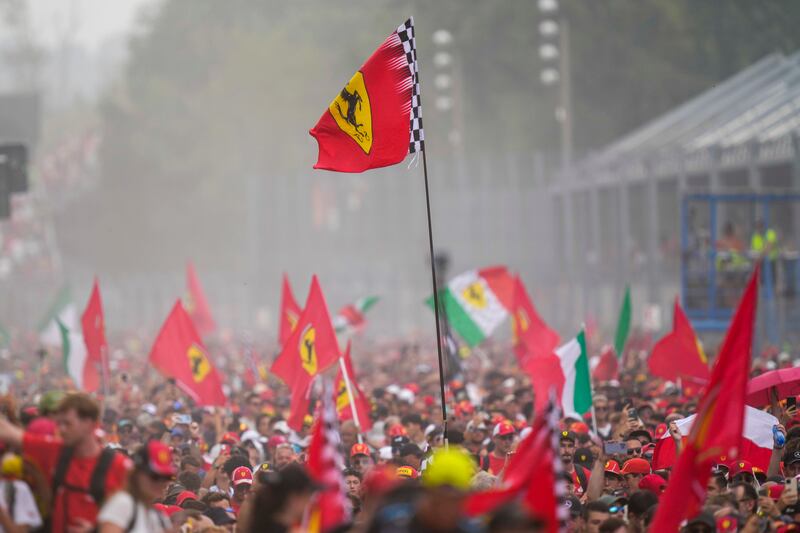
581, 477
97, 481
11, 498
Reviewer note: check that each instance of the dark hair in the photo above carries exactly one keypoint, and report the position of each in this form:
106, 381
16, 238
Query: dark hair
640, 501
595, 506
351, 472
190, 480
720, 480
412, 418
214, 497
190, 460
455, 437
512, 516
83, 405
235, 462
749, 490
274, 491
611, 525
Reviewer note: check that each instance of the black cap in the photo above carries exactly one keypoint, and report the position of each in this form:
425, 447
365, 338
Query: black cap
583, 456
411, 449
573, 505
705, 518
219, 516
567, 435
791, 458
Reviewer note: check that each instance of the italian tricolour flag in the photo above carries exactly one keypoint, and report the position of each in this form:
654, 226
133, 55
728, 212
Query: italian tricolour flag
476, 302
61, 328
576, 396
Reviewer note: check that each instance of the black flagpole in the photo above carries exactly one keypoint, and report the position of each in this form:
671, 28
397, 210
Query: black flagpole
435, 293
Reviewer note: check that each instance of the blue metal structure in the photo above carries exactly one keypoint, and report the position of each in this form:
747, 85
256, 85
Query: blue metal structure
710, 290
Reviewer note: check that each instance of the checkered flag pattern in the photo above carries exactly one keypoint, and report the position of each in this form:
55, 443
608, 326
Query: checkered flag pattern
406, 33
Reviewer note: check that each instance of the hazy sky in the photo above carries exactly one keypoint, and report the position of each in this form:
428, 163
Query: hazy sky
91, 22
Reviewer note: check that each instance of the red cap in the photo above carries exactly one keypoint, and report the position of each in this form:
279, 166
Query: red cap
359, 448
579, 427
185, 495
159, 458
728, 524
380, 480
168, 510
740, 467
241, 475
407, 472
42, 426
496, 419
654, 483
230, 437
413, 387
612, 467
503, 428
397, 431
520, 425
276, 440
428, 400
636, 466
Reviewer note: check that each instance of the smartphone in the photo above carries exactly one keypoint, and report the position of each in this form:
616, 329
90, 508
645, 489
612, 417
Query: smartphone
183, 419
615, 448
632, 414
791, 483
791, 401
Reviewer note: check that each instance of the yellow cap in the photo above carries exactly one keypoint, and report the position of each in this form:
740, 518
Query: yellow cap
11, 465
452, 467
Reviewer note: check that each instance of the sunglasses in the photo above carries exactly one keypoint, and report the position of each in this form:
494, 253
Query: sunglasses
506, 437
634, 451
159, 477
615, 509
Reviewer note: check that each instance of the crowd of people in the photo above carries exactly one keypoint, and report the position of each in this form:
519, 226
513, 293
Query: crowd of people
144, 458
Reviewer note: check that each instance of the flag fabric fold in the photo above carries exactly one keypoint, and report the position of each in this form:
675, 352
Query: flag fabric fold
290, 312
310, 350
93, 327
350, 318
343, 408
376, 119
623, 324
576, 396
329, 507
532, 336
178, 353
476, 302
606, 365
196, 304
720, 422
678, 354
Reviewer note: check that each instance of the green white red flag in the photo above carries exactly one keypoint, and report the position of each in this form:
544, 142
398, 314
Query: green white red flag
350, 318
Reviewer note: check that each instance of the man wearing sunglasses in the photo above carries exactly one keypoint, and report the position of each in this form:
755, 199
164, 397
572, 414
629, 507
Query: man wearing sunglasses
633, 471
580, 475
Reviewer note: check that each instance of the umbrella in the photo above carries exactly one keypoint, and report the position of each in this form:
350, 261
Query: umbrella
785, 382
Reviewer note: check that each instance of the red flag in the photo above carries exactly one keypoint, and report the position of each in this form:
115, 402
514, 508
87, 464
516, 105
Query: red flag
179, 353
545, 374
719, 425
329, 507
678, 354
310, 350
532, 336
607, 366
376, 119
290, 312
529, 476
196, 303
363, 407
94, 336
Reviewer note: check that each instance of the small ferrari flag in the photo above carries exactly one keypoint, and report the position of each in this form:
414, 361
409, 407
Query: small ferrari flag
310, 350
290, 312
343, 407
94, 336
376, 119
179, 353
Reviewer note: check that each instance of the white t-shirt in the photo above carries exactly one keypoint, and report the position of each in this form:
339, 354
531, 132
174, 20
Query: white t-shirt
25, 511
118, 510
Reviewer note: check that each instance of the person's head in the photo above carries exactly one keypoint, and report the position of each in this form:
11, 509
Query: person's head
190, 480
566, 446
612, 477
282, 496
746, 498
638, 504
791, 463
411, 455
217, 499
242, 480
594, 514
514, 519
503, 437
613, 525
601, 409
446, 481
412, 422
633, 471
475, 433
284, 455
352, 480
262, 425
361, 458
153, 470
349, 434
77, 415
704, 522
717, 484
634, 447
190, 463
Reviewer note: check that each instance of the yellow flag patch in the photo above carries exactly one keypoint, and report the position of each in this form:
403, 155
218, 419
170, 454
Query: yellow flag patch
198, 362
352, 112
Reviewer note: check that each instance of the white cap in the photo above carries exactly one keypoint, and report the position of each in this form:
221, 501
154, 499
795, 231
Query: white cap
282, 426
385, 453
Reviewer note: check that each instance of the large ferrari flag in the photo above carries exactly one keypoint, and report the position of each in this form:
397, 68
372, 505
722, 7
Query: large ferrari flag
179, 353
376, 119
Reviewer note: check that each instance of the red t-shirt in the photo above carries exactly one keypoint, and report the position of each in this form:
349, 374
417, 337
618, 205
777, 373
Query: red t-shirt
576, 480
496, 464
44, 450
